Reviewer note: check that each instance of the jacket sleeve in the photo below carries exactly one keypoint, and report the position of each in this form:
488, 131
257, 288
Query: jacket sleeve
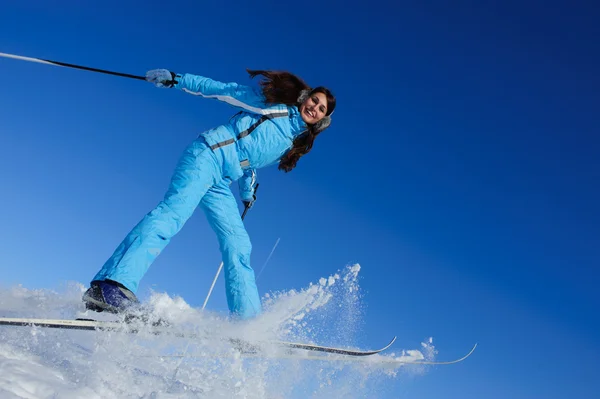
247, 184
245, 97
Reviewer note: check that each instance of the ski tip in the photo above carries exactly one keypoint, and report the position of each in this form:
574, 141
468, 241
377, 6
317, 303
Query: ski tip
457, 360
390, 344
471, 351
468, 354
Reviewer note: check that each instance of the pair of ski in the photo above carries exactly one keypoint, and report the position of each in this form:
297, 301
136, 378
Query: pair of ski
94, 325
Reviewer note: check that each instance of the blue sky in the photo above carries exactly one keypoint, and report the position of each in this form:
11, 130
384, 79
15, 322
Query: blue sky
461, 170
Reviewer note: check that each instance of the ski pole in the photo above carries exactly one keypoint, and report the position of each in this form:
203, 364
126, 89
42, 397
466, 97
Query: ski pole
64, 64
221, 265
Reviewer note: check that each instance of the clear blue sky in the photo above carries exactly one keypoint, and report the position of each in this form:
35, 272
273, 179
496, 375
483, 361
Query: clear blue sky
461, 170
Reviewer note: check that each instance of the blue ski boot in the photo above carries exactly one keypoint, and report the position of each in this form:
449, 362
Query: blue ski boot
109, 296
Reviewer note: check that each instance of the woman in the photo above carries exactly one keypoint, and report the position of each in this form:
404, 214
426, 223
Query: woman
277, 122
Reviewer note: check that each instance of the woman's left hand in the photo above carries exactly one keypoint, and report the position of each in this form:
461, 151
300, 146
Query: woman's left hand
161, 78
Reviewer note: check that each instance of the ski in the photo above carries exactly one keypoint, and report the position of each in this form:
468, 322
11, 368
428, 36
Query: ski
379, 360
385, 360
339, 351
88, 324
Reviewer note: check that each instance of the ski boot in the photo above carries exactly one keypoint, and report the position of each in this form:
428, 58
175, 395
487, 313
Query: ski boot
109, 296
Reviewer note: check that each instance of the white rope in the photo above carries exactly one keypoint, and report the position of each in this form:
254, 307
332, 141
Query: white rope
213, 285
268, 258
19, 57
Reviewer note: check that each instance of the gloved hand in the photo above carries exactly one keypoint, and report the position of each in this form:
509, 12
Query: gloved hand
248, 204
161, 77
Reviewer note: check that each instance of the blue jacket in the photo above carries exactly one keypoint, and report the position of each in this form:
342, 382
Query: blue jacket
258, 136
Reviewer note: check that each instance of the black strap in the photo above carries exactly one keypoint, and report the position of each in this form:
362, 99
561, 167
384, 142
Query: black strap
250, 129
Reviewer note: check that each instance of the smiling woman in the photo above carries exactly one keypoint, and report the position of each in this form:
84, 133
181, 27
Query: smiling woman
316, 106
278, 122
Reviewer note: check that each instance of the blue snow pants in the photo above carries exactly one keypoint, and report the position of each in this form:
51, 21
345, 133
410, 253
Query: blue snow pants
197, 180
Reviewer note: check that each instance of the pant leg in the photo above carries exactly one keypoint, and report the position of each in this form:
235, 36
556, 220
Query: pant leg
196, 171
223, 215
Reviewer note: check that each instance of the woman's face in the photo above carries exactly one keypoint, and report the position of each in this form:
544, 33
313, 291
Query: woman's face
314, 108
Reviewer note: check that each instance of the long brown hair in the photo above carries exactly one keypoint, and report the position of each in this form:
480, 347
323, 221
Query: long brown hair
281, 87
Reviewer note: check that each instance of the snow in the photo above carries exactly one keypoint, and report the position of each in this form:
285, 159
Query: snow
48, 363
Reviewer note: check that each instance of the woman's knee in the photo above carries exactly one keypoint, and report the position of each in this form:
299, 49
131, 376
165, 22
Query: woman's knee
236, 243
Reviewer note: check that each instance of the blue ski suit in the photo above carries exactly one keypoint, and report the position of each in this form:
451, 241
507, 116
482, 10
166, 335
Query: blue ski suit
255, 137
